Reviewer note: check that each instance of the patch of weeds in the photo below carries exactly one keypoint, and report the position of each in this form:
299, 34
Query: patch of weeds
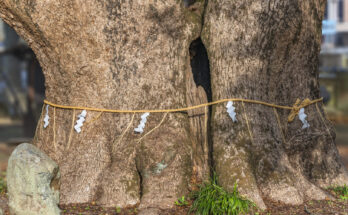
341, 191
118, 210
3, 184
211, 199
181, 201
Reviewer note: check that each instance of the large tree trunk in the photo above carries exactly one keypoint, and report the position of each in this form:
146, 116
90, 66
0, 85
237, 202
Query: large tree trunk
135, 55
269, 51
117, 55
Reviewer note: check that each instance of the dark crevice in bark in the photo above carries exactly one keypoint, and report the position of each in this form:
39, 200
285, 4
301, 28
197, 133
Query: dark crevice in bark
201, 75
210, 145
188, 3
200, 66
203, 14
140, 182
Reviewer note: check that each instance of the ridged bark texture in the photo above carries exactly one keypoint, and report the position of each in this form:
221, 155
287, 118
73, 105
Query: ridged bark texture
134, 54
268, 51
117, 55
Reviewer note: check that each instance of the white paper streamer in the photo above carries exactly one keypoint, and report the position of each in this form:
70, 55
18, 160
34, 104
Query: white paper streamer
141, 126
79, 122
160, 167
47, 118
231, 111
302, 116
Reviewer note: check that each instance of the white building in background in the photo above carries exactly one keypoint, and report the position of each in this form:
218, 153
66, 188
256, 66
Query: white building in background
334, 54
337, 12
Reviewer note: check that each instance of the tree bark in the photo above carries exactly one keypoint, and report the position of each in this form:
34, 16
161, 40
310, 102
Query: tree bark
269, 51
135, 55
117, 55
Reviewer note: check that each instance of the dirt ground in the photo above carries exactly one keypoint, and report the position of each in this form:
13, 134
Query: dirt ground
329, 207
337, 207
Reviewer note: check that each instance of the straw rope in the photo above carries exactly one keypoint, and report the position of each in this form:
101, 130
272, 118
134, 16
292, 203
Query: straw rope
247, 122
72, 128
124, 132
95, 119
38, 128
206, 118
279, 124
294, 109
54, 128
323, 121
164, 116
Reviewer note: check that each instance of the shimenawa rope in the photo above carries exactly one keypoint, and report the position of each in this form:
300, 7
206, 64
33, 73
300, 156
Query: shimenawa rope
294, 109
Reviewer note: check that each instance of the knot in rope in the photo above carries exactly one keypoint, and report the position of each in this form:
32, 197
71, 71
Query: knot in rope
297, 107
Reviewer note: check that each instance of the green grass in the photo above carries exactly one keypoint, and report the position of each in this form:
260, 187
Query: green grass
213, 199
181, 201
341, 191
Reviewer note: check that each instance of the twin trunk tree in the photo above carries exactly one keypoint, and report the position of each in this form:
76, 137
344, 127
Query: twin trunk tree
138, 54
